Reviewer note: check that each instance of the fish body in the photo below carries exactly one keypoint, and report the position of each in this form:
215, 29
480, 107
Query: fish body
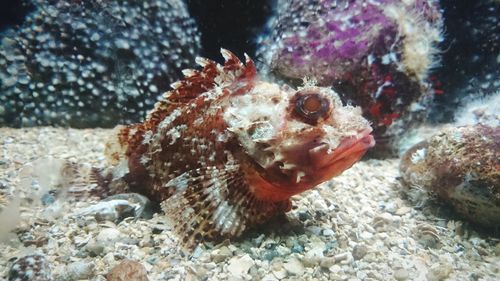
225, 150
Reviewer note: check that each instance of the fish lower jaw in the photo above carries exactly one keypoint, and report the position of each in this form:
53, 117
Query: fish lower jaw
350, 151
323, 156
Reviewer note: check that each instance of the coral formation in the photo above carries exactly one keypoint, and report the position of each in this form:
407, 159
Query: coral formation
376, 54
92, 63
461, 166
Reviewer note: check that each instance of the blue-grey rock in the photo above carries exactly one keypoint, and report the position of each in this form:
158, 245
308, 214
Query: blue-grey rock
93, 63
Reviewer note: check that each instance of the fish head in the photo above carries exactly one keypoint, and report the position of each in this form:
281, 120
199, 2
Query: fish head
296, 139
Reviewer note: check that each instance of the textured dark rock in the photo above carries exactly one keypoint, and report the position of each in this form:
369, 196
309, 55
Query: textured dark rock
461, 166
92, 63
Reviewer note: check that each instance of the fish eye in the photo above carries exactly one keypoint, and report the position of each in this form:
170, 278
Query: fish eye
311, 107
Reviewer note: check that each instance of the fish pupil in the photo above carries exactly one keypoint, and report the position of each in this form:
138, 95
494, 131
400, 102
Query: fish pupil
312, 104
311, 107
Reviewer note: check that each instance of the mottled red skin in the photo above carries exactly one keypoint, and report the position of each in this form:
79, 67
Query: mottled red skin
184, 145
179, 155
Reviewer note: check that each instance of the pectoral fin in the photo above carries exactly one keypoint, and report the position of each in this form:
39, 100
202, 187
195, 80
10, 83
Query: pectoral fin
214, 203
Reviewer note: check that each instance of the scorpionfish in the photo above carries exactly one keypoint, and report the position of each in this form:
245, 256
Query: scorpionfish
224, 150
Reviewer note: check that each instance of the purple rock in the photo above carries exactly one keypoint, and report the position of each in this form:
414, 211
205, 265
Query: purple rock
375, 54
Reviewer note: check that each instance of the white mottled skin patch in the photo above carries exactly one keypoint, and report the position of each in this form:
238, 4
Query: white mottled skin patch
175, 133
261, 121
147, 137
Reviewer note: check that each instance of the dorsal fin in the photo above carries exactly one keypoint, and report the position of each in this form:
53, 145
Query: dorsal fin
233, 76
213, 203
196, 82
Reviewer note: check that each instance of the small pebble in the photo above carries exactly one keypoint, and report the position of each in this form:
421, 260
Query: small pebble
128, 270
48, 199
303, 216
294, 266
328, 232
327, 262
239, 266
118, 207
108, 236
439, 272
94, 249
280, 273
428, 241
496, 250
221, 254
403, 210
257, 241
269, 255
297, 248
77, 271
401, 274
314, 255
143, 208
269, 277
359, 251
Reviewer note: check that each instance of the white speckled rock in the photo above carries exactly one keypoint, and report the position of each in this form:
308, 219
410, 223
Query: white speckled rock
461, 166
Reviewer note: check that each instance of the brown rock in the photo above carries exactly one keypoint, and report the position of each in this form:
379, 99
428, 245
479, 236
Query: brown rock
128, 270
461, 166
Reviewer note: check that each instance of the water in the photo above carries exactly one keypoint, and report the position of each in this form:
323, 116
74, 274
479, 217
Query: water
422, 204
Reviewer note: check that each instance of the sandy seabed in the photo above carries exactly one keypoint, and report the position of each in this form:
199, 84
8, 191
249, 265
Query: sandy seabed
358, 226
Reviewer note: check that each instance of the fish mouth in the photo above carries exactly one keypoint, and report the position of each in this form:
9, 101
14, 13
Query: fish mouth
348, 152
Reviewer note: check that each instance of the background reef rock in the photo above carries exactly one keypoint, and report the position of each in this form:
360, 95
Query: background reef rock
92, 63
375, 54
461, 166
